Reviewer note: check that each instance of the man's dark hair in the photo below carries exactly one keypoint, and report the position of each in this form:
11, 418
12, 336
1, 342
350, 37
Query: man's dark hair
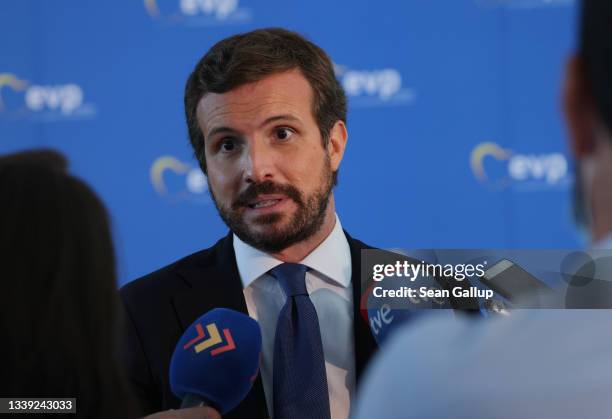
596, 54
59, 306
251, 56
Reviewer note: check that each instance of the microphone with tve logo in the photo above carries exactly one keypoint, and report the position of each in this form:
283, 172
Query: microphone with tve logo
216, 360
394, 300
390, 304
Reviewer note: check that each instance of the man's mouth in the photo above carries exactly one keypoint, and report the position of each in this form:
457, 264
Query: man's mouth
265, 202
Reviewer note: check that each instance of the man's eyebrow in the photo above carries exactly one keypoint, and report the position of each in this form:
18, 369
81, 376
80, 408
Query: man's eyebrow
218, 130
285, 117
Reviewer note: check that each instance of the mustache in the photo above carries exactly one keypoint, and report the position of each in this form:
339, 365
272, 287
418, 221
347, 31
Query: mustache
268, 187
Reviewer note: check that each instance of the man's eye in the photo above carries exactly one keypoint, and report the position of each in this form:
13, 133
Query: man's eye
228, 145
284, 133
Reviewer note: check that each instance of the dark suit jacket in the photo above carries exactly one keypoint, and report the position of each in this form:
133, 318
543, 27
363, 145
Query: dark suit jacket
161, 305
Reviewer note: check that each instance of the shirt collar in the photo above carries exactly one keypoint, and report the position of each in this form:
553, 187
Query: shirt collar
332, 258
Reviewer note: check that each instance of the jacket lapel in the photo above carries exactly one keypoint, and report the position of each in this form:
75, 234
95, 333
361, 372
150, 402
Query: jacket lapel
365, 345
211, 282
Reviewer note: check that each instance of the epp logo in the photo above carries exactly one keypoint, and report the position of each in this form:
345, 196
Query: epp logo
542, 170
64, 98
49, 102
374, 87
175, 179
214, 338
197, 12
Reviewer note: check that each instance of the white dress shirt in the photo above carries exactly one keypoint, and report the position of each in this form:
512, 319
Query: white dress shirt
328, 282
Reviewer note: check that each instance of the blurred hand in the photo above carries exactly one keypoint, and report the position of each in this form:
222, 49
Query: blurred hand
191, 413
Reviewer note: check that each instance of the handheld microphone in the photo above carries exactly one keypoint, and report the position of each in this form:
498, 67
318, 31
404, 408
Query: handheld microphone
387, 313
396, 300
519, 287
216, 360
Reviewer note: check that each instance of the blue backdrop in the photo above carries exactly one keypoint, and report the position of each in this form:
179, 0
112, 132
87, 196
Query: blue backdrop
456, 137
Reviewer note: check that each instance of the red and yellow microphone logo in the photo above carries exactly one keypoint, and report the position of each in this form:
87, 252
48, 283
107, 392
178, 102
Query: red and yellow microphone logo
214, 339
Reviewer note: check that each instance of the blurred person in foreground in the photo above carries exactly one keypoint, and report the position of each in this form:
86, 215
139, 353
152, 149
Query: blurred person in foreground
547, 364
59, 305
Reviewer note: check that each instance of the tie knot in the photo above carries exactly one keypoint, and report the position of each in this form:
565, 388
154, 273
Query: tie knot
292, 278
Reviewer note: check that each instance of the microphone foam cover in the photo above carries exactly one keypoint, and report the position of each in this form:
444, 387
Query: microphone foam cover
217, 358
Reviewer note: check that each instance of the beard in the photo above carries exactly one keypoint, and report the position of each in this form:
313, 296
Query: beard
305, 221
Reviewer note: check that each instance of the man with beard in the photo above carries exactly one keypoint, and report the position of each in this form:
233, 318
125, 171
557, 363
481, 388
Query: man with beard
267, 122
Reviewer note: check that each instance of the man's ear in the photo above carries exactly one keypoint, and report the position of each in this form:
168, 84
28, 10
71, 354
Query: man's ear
338, 136
578, 108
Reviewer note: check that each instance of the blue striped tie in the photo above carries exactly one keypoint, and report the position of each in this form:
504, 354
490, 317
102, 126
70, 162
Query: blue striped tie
300, 383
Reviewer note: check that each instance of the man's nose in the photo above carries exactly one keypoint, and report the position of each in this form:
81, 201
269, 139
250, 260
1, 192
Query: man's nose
259, 166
